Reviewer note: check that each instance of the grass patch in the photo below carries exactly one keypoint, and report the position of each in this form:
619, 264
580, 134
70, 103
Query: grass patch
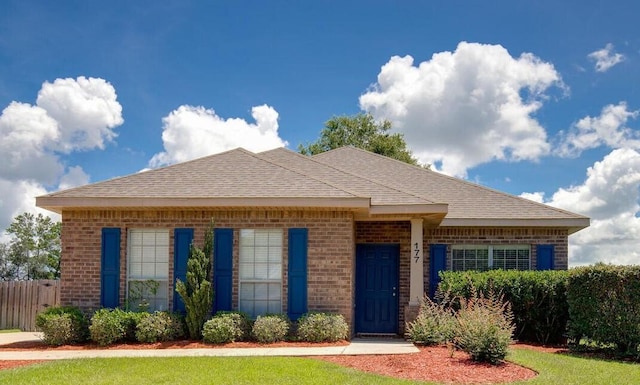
552, 369
569, 370
9, 330
192, 370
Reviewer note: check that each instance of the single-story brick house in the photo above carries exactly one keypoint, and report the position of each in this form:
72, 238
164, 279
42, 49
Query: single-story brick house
345, 231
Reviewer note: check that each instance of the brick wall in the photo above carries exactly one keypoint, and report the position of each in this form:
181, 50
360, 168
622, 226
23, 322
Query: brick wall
400, 233
332, 236
330, 250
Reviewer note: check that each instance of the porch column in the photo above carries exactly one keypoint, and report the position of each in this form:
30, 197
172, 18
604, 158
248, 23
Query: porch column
416, 287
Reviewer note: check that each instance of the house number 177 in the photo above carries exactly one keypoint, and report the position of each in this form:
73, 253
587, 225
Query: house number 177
417, 252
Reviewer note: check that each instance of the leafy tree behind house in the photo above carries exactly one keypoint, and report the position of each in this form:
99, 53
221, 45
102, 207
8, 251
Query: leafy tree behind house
33, 251
360, 131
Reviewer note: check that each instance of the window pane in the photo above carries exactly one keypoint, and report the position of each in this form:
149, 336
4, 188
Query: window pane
275, 307
260, 271
275, 239
261, 291
162, 255
246, 290
275, 271
148, 238
275, 292
261, 254
135, 270
246, 254
246, 271
148, 268
247, 307
260, 308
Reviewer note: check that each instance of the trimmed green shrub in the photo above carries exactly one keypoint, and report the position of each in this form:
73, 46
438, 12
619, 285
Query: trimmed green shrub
159, 326
538, 298
109, 326
226, 327
219, 330
435, 324
322, 327
484, 328
62, 325
604, 305
270, 328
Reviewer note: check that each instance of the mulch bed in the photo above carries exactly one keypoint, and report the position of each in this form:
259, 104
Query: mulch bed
434, 363
430, 364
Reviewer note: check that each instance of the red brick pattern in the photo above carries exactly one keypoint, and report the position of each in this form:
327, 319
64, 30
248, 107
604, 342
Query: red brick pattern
330, 250
400, 233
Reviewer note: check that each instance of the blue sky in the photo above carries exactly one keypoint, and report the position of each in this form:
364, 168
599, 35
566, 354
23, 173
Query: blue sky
524, 97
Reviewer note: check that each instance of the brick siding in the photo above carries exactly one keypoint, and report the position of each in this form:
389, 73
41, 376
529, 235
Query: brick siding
400, 233
330, 250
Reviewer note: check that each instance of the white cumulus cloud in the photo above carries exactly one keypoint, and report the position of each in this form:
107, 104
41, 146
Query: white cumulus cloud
190, 132
608, 129
610, 196
467, 107
69, 115
537, 196
605, 58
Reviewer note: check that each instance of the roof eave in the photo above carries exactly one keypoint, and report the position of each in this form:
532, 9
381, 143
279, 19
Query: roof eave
57, 204
572, 224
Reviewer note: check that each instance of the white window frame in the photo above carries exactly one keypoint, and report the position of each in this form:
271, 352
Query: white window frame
148, 260
260, 271
522, 257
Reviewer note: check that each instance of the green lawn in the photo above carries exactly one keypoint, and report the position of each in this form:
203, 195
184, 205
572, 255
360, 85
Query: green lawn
9, 330
568, 370
553, 369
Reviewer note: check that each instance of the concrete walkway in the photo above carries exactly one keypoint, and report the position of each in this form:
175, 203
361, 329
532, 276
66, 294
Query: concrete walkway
356, 347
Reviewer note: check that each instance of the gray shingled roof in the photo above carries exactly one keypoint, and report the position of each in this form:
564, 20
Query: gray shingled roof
235, 173
345, 177
465, 199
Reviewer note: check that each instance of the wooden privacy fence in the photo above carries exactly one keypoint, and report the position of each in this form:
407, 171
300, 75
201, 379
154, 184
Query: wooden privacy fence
20, 301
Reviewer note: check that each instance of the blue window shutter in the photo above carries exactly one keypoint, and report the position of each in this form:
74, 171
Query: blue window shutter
297, 301
545, 256
110, 268
222, 269
182, 239
437, 263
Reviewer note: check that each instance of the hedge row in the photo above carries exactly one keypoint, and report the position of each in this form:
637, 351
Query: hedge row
538, 298
604, 305
68, 325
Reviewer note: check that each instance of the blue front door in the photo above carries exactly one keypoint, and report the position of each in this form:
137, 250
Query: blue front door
377, 288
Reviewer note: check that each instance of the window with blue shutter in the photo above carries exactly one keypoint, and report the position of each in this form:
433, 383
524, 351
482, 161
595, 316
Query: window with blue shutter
110, 268
297, 273
222, 269
181, 247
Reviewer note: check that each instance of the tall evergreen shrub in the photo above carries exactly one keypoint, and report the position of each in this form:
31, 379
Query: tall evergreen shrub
197, 292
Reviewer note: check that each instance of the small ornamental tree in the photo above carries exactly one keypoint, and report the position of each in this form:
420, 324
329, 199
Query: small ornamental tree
196, 292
